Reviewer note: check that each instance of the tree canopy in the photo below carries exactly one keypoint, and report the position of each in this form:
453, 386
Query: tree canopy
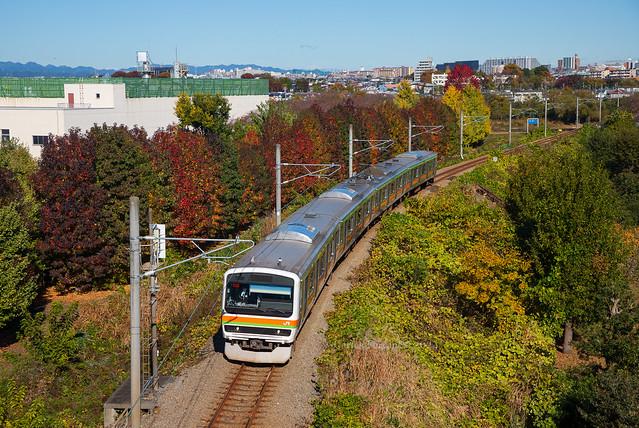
470, 101
406, 98
565, 210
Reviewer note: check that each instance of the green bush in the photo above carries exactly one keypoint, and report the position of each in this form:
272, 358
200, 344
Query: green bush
51, 338
17, 258
605, 398
343, 410
15, 412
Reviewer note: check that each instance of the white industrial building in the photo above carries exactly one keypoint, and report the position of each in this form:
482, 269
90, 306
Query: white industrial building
439, 79
31, 109
423, 66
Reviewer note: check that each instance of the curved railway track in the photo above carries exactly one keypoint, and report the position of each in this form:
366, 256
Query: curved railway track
243, 397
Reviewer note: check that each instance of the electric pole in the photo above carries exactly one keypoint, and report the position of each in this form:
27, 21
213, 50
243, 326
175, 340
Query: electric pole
461, 134
134, 257
410, 133
153, 289
278, 186
510, 123
577, 115
350, 150
545, 117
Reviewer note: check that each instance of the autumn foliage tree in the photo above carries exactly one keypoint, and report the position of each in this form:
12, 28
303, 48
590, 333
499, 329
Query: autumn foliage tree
122, 169
476, 112
460, 77
72, 226
406, 98
195, 181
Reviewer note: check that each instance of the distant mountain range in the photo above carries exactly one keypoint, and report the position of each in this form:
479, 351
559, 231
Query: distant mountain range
33, 69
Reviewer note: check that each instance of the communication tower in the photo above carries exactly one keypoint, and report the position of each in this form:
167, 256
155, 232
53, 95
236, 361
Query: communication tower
145, 67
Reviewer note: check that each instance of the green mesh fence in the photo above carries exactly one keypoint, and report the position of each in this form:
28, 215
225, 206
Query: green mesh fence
145, 88
135, 88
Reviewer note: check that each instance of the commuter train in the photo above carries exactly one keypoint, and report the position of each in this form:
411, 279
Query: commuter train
269, 293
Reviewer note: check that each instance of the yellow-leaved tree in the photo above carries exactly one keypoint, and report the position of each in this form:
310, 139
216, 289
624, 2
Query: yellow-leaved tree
406, 98
471, 102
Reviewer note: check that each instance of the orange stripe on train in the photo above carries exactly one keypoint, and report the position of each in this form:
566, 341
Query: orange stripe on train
271, 321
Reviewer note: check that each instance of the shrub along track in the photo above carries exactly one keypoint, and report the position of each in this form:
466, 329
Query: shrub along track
264, 400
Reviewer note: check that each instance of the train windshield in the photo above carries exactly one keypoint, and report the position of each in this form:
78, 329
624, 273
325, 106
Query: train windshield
259, 294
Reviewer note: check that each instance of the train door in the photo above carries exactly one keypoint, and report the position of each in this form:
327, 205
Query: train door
303, 296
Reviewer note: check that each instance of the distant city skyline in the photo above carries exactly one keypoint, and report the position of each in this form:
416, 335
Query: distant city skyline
327, 35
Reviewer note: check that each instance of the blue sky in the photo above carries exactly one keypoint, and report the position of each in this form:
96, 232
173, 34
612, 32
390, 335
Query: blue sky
323, 34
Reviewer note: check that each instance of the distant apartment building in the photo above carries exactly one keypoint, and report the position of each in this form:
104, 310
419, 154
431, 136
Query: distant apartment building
423, 66
495, 65
448, 66
569, 63
33, 108
598, 73
391, 72
622, 73
439, 79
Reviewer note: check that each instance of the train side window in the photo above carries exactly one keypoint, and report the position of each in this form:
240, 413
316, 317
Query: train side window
322, 264
311, 282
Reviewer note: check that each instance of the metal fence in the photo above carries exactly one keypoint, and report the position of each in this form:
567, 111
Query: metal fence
14, 87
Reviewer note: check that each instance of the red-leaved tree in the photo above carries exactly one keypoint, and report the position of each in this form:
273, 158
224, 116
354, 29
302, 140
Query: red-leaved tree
74, 252
195, 178
461, 76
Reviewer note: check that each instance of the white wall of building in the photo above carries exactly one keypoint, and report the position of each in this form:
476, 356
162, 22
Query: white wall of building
26, 117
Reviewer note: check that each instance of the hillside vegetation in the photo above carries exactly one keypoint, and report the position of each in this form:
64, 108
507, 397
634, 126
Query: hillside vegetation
459, 316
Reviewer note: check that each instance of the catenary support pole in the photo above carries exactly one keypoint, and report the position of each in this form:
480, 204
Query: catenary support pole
461, 134
577, 114
350, 150
153, 289
278, 185
510, 123
600, 100
545, 117
134, 242
410, 133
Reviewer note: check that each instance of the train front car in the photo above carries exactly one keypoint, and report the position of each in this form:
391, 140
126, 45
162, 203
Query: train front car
260, 314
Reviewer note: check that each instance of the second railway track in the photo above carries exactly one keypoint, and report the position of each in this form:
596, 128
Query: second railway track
453, 170
240, 404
